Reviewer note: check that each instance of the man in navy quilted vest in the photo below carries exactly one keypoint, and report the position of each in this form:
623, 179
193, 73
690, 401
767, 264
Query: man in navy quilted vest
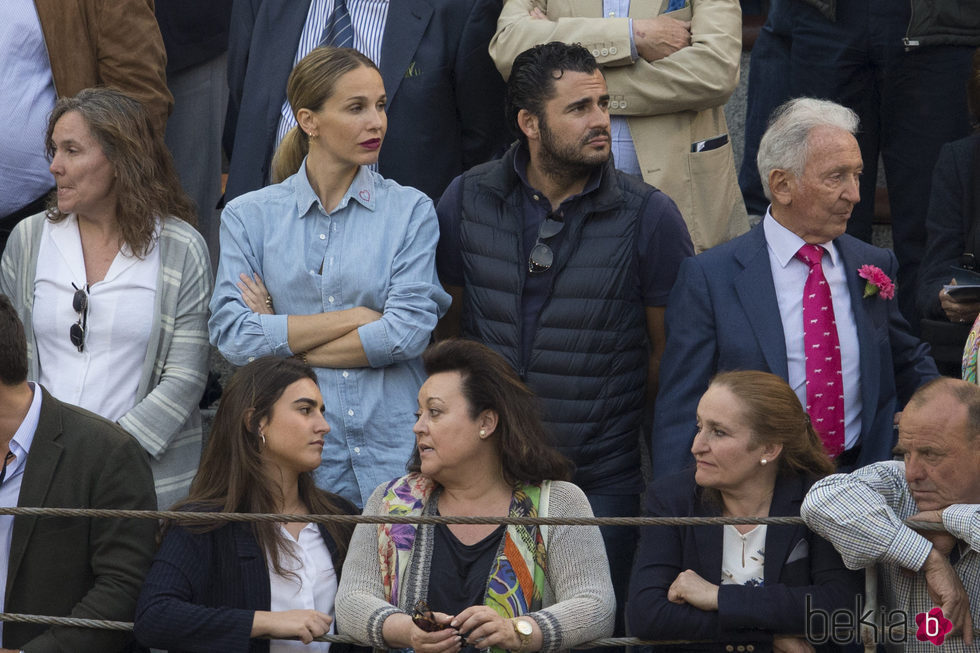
563, 265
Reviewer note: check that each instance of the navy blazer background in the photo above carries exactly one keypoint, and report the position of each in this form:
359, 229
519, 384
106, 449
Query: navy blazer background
745, 614
203, 589
72, 566
722, 314
445, 97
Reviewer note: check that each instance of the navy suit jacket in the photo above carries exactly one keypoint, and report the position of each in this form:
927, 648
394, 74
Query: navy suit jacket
203, 589
798, 564
445, 97
722, 314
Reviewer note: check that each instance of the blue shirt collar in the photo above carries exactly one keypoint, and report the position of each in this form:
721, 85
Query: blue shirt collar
362, 190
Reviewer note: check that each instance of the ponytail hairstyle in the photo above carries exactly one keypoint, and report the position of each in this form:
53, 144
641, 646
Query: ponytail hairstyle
311, 83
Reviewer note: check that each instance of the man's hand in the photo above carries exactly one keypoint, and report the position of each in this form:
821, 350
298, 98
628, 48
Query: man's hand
942, 542
946, 590
690, 588
660, 37
961, 312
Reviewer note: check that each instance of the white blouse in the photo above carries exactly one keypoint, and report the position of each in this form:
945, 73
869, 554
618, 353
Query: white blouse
743, 556
104, 377
313, 587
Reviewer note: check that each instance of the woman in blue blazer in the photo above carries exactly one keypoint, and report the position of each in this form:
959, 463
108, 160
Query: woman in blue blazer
220, 586
745, 588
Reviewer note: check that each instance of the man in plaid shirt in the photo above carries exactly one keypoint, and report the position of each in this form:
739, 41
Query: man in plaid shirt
938, 480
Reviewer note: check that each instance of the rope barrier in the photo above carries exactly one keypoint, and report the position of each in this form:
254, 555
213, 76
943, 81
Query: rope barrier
202, 517
212, 517
103, 624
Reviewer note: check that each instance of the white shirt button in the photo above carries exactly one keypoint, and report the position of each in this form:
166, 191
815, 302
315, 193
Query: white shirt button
622, 104
346, 374
251, 358
595, 53
613, 50
612, 14
604, 52
330, 299
357, 450
613, 104
323, 236
350, 412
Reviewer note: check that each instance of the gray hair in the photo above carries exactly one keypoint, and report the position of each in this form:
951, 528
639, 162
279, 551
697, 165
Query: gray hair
784, 145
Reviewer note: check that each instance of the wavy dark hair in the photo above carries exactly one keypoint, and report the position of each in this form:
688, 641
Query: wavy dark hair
147, 186
311, 84
230, 477
524, 446
532, 78
13, 345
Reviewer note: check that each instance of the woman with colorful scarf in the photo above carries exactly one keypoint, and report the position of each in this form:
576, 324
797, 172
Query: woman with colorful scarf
480, 451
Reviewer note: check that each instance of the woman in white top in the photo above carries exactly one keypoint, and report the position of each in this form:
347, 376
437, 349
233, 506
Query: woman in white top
744, 587
221, 586
112, 282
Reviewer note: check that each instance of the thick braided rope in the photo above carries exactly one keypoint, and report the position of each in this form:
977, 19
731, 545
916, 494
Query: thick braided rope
202, 517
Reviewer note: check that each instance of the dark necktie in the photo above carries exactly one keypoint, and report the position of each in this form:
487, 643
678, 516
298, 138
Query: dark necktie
821, 348
338, 32
3, 473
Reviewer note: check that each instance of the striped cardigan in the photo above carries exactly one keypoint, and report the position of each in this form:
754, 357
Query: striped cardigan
165, 420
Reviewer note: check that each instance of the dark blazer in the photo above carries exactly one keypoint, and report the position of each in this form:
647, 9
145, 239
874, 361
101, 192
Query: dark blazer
71, 566
722, 314
798, 564
445, 97
948, 221
204, 588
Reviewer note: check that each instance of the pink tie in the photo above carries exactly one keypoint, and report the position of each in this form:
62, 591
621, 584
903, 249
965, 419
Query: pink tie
824, 383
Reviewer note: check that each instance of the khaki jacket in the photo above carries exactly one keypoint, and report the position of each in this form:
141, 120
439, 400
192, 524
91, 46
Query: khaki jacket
113, 43
670, 104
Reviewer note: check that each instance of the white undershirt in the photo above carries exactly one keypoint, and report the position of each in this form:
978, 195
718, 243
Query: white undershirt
743, 556
105, 376
313, 587
789, 276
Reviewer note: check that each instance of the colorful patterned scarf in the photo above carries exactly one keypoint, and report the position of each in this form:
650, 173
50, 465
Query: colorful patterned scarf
517, 575
970, 353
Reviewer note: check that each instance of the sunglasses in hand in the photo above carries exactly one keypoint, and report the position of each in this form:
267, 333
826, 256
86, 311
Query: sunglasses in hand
423, 618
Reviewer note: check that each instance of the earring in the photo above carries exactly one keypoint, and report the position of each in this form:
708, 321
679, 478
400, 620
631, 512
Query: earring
483, 433
261, 436
763, 461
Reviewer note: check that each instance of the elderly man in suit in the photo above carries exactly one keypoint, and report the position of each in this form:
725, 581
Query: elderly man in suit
670, 66
444, 95
57, 455
796, 297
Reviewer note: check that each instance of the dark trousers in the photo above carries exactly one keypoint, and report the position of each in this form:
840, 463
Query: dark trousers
910, 103
620, 542
769, 86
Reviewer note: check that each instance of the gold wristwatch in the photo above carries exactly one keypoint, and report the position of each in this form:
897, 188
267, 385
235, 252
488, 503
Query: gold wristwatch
524, 631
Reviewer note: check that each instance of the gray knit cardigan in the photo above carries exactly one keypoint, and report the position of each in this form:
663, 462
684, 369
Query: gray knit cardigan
165, 420
578, 600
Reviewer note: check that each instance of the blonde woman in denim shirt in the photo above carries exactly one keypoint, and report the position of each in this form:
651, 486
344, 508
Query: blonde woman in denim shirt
336, 265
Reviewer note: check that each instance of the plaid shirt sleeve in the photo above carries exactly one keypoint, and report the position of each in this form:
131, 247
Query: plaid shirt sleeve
861, 515
963, 521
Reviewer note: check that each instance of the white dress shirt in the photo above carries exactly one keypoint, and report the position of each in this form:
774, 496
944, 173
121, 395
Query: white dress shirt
312, 587
20, 444
789, 276
104, 377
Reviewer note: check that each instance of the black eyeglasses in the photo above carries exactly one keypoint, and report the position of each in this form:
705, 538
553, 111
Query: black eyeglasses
542, 257
80, 303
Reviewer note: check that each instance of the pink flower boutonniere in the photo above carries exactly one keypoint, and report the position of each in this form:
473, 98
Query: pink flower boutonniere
877, 282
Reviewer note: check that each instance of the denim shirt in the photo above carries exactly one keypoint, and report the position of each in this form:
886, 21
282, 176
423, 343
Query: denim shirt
376, 249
